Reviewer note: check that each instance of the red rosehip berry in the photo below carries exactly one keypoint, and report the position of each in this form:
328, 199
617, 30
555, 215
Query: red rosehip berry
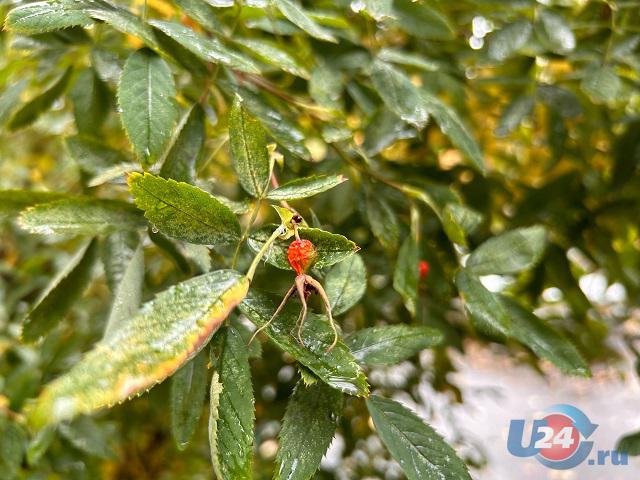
423, 269
302, 255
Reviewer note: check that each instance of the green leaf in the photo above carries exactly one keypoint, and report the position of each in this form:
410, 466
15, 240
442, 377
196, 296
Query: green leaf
93, 156
13, 438
510, 252
422, 20
326, 85
61, 294
399, 94
543, 339
406, 274
336, 368
629, 444
166, 333
30, 111
508, 40
296, 15
128, 294
273, 54
10, 99
420, 451
248, 143
402, 57
117, 251
12, 202
601, 84
184, 211
40, 443
42, 17
81, 216
308, 427
91, 102
514, 114
232, 448
458, 221
345, 284
146, 95
332, 248
306, 187
383, 221
208, 49
453, 127
202, 13
90, 437
483, 307
555, 33
392, 344
180, 162
188, 390
385, 129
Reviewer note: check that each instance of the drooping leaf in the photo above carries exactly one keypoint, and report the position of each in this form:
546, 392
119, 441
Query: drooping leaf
391, 344
296, 15
166, 333
543, 339
508, 40
81, 216
232, 452
406, 274
346, 283
61, 294
184, 211
12, 202
308, 427
418, 448
305, 187
146, 96
422, 20
30, 111
459, 221
91, 98
273, 54
128, 294
399, 94
514, 114
602, 84
336, 368
208, 49
383, 221
509, 252
331, 247
42, 17
248, 142
483, 307
188, 391
180, 162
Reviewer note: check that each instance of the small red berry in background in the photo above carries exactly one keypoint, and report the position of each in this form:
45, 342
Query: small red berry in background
423, 269
302, 255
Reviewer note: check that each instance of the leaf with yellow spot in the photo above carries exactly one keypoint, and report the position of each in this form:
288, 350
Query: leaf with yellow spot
166, 333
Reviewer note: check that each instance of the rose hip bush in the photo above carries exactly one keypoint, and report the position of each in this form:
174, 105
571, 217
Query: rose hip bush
451, 168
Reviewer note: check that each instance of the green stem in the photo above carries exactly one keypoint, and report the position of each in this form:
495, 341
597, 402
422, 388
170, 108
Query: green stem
260, 254
245, 233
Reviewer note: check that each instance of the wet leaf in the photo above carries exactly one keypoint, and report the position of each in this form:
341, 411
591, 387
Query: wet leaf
483, 307
418, 448
510, 252
41, 17
406, 274
248, 142
422, 20
81, 216
305, 187
345, 284
184, 211
336, 368
12, 202
296, 15
166, 333
61, 294
181, 159
146, 96
384, 221
232, 451
188, 390
391, 344
91, 102
308, 427
504, 43
332, 248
